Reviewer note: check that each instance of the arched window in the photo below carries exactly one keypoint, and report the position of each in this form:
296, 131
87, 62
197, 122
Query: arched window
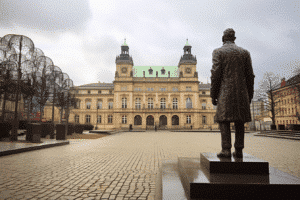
99, 119
163, 103
88, 105
189, 103
150, 103
124, 103
138, 103
175, 103
76, 119
110, 119
88, 118
124, 119
188, 119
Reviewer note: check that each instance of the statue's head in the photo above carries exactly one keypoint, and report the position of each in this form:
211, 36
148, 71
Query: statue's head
228, 35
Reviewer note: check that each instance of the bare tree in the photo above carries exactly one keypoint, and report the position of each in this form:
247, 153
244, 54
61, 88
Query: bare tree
21, 45
268, 85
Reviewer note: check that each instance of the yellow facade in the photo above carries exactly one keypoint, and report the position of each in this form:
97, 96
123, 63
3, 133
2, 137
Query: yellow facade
287, 99
174, 102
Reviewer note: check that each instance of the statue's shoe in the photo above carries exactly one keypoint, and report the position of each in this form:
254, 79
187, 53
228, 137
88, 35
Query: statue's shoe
238, 154
224, 154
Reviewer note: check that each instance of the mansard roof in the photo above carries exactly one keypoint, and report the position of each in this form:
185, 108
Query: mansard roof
138, 71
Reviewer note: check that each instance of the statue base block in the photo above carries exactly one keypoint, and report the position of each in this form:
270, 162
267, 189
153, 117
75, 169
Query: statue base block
246, 165
199, 183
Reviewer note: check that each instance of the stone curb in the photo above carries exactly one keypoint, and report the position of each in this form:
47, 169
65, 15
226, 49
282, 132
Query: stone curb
278, 136
32, 148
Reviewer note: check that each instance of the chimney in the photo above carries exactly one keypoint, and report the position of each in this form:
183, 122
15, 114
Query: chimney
156, 73
144, 73
169, 74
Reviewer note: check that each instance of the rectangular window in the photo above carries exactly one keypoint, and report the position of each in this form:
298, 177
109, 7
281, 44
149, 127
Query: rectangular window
203, 119
204, 106
99, 91
99, 119
175, 103
124, 103
149, 89
137, 89
110, 119
110, 91
124, 119
138, 103
76, 119
150, 103
188, 88
188, 119
215, 107
163, 103
175, 89
163, 89
110, 105
203, 92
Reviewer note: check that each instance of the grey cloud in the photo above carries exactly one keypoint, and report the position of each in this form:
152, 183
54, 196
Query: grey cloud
45, 15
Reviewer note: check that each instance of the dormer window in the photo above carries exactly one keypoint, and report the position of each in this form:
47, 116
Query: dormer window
150, 71
163, 71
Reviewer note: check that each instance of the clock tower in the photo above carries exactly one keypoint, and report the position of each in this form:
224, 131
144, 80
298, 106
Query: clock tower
187, 63
124, 64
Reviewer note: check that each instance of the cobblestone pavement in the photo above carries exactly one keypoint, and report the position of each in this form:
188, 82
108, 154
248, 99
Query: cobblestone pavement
122, 166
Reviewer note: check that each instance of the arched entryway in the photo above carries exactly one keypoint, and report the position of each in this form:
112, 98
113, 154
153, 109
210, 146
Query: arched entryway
150, 120
137, 120
175, 120
163, 120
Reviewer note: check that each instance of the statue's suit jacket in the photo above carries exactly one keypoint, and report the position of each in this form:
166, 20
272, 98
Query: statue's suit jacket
232, 82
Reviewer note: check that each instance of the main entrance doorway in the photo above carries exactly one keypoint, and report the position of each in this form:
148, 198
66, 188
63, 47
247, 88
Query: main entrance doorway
162, 122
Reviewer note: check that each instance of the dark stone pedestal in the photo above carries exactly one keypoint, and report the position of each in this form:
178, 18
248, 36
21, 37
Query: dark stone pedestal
246, 165
215, 178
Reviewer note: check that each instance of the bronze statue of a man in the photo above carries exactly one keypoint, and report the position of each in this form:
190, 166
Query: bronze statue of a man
232, 81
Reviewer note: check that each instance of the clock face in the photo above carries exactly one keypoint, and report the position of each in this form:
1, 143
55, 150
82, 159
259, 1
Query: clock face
188, 70
124, 70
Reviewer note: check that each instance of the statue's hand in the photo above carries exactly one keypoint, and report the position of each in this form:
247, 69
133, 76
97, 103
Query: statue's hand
214, 102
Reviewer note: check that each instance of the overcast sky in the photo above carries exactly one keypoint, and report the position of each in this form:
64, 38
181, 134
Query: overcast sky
83, 38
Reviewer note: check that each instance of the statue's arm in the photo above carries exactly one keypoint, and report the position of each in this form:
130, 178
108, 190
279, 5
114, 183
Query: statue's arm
249, 76
216, 74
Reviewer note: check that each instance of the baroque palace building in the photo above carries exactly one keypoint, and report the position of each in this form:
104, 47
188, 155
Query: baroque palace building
170, 97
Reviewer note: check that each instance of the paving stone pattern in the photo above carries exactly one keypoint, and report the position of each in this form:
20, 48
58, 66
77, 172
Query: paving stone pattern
121, 166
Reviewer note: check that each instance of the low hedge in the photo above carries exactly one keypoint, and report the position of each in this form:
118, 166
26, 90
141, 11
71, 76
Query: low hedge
78, 128
88, 127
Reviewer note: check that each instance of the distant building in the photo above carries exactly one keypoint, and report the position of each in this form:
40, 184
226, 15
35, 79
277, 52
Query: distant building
167, 96
287, 96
